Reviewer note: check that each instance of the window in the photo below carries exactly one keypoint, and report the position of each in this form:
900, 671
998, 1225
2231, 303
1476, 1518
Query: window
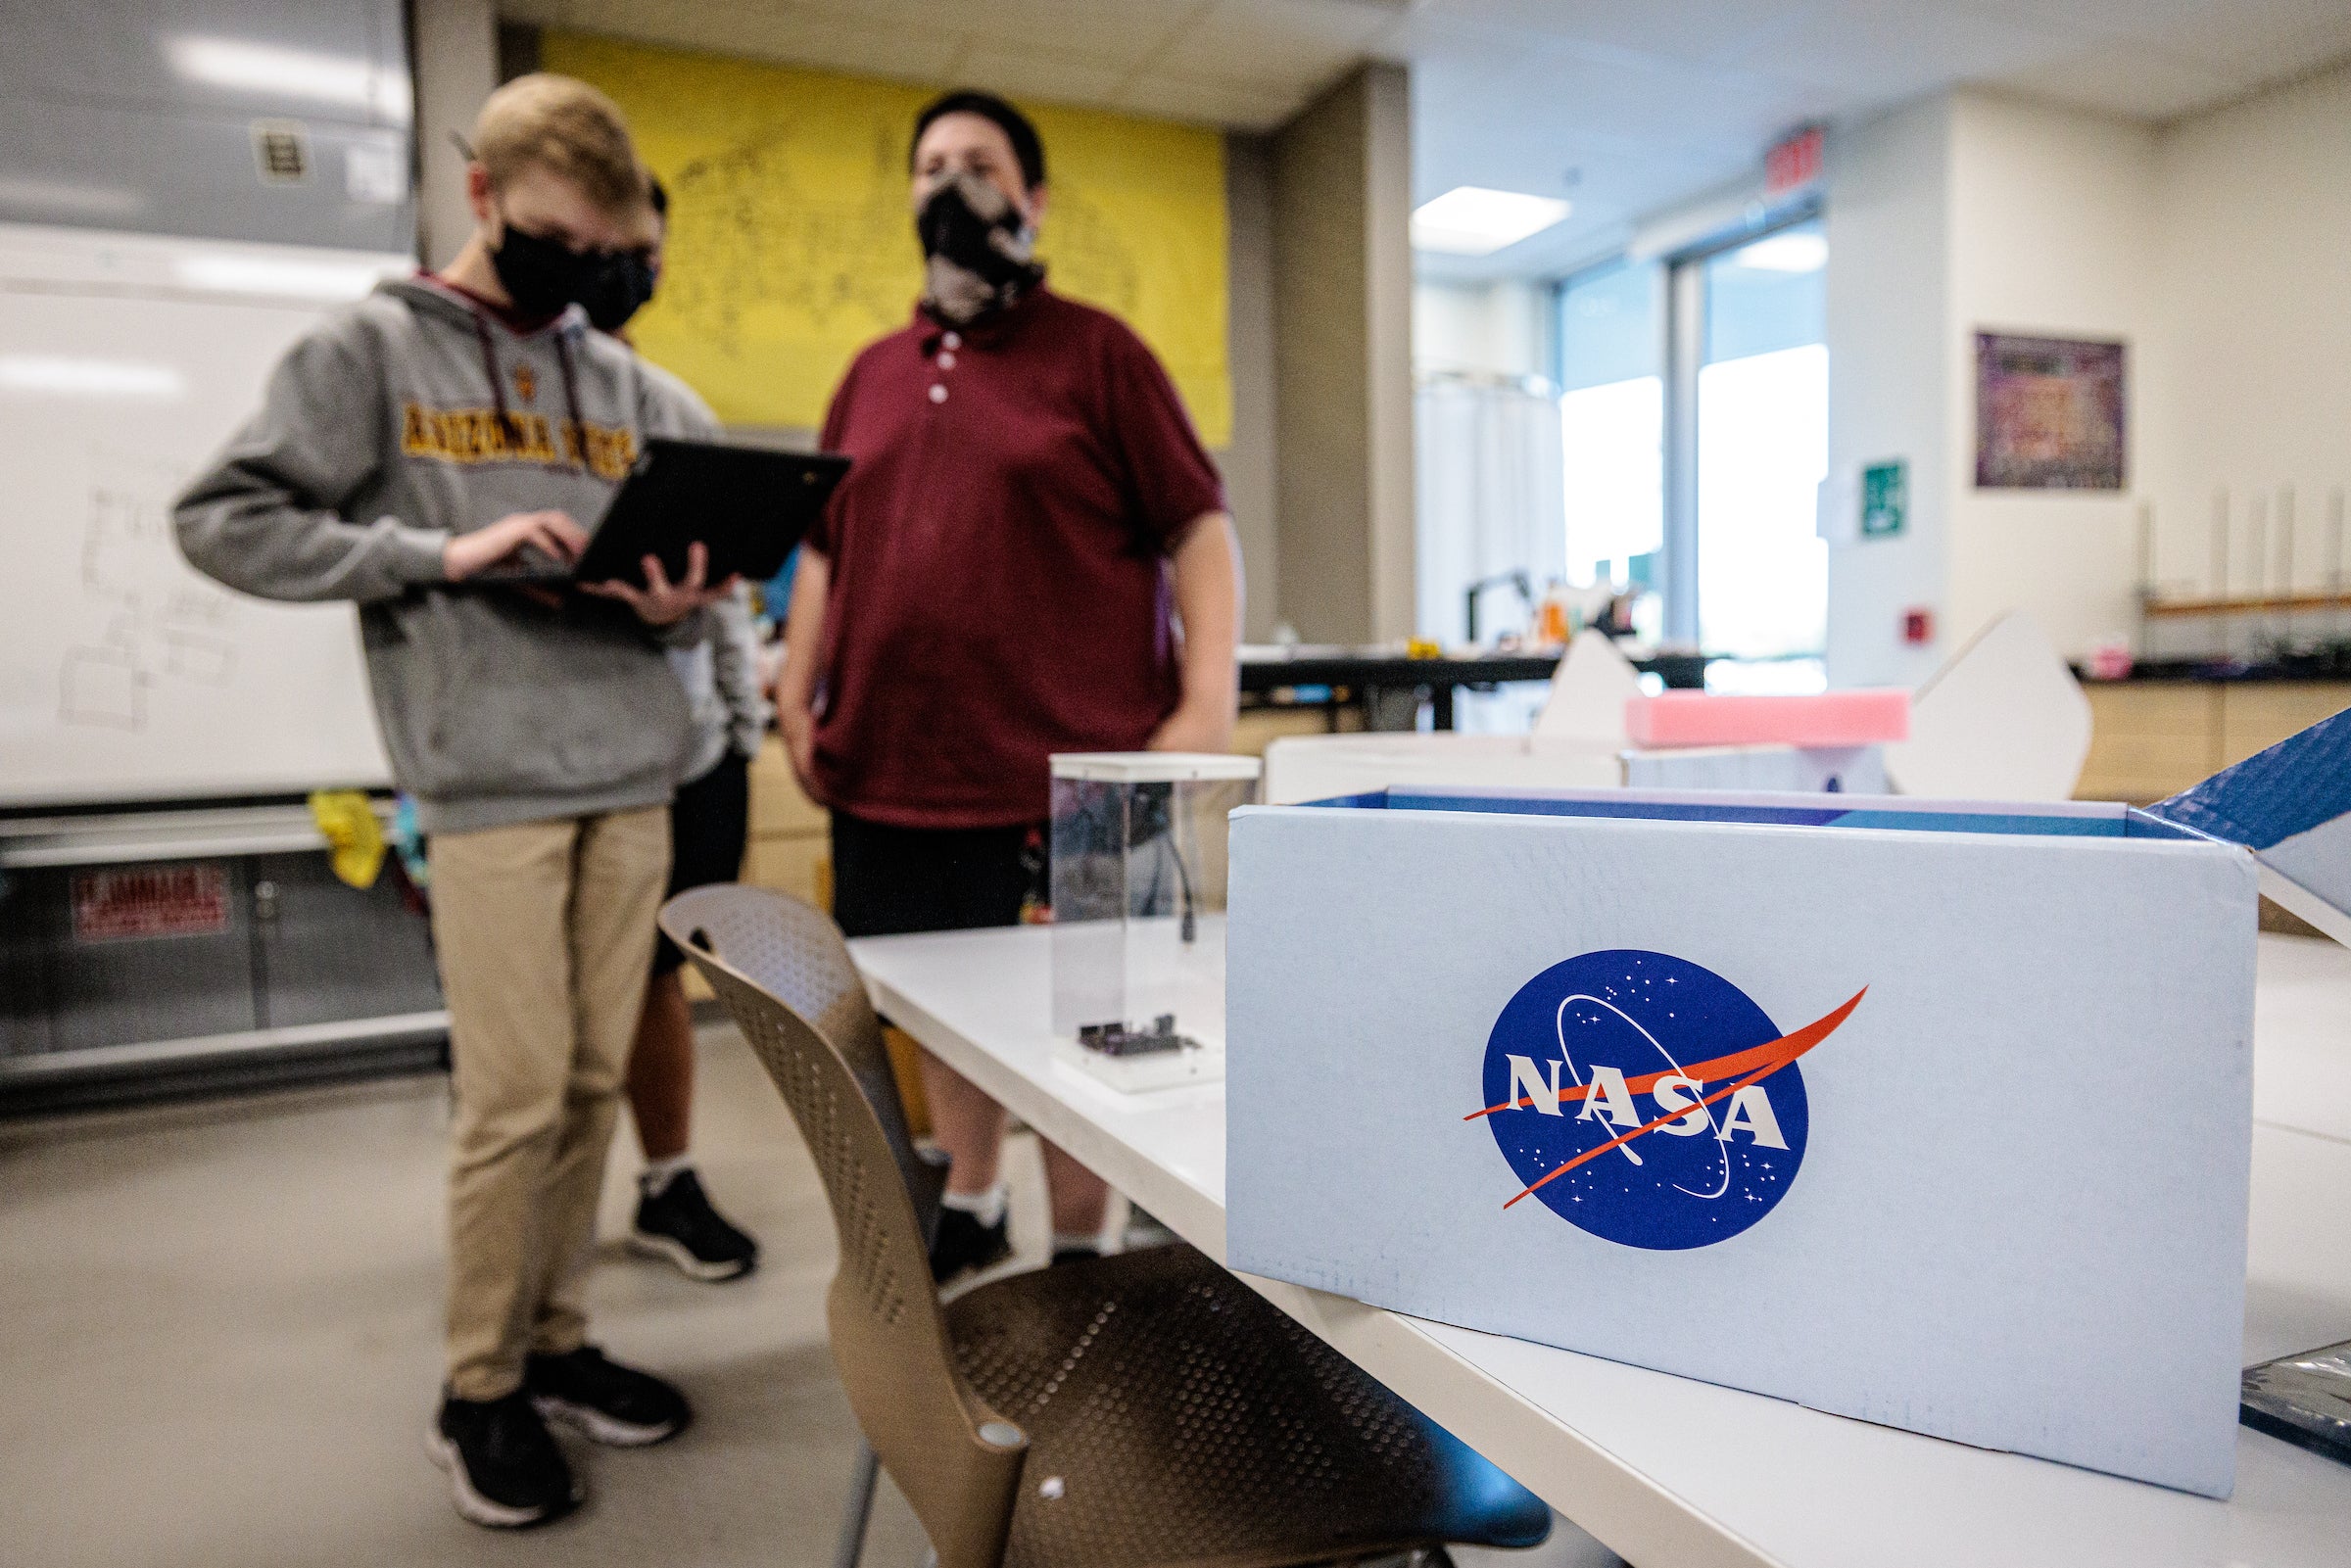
1696, 423
1612, 421
1762, 448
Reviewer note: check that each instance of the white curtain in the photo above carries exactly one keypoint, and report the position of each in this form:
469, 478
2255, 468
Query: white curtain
1492, 498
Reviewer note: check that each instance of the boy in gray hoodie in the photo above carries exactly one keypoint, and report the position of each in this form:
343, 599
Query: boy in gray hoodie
444, 425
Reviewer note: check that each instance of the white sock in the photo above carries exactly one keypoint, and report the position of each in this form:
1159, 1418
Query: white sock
658, 1174
987, 1206
1083, 1240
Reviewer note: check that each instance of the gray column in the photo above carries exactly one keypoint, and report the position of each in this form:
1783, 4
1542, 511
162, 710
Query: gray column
457, 67
1342, 292
1250, 463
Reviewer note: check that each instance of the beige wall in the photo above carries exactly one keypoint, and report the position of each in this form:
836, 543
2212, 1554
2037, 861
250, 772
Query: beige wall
1888, 398
2052, 232
1980, 213
1342, 334
2255, 216
2214, 248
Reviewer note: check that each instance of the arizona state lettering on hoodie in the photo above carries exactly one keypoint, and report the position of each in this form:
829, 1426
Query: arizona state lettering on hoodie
482, 436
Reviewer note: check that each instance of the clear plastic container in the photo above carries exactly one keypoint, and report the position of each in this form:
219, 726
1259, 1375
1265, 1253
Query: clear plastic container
1138, 897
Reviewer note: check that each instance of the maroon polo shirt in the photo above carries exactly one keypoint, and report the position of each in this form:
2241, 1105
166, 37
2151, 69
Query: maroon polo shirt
1000, 585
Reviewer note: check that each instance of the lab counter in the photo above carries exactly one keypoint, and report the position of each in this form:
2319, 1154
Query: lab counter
1378, 682
2165, 727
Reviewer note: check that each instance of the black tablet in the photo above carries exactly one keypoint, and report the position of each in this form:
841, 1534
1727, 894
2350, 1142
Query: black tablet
747, 505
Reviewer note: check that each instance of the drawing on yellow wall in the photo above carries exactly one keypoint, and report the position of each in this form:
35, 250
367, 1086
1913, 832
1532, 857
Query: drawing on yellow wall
791, 244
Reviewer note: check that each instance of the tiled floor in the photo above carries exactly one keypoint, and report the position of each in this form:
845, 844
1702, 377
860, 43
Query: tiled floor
219, 1345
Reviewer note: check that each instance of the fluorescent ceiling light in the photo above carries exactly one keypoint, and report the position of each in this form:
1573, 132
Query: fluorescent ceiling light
223, 272
59, 375
1784, 252
1472, 220
343, 80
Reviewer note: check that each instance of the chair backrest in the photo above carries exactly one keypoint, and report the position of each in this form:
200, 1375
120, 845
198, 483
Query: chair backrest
795, 953
956, 1461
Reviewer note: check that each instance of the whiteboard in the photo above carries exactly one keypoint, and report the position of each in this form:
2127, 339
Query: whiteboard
125, 362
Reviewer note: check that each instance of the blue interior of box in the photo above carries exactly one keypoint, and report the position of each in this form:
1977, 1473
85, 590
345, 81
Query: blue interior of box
1828, 814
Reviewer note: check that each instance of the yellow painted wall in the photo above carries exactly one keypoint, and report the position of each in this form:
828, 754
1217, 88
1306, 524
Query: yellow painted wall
791, 244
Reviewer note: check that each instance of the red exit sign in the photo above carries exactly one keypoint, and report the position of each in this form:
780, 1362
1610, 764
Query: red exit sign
1792, 163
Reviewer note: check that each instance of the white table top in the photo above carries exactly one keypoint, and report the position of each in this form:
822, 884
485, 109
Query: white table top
1666, 1470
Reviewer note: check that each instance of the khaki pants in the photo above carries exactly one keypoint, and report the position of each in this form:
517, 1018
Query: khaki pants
544, 936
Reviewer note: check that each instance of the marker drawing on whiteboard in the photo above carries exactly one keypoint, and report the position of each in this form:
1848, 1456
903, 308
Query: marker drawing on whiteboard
158, 620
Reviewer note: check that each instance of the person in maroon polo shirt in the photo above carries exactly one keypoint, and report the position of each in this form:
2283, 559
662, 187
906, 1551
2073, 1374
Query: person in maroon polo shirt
1029, 555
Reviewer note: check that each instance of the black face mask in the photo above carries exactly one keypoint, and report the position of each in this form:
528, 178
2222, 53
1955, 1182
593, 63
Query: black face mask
543, 277
974, 225
626, 287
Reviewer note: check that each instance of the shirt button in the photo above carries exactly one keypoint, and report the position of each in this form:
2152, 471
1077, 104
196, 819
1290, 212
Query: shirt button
946, 361
939, 394
953, 340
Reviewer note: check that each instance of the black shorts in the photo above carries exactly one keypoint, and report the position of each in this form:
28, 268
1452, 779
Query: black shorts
890, 880
709, 822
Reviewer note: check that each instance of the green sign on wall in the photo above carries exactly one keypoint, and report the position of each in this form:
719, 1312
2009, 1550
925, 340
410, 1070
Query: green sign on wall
1884, 498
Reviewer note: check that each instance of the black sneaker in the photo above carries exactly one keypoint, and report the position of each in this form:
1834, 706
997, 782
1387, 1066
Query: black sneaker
1077, 1253
678, 1224
507, 1472
965, 1246
603, 1400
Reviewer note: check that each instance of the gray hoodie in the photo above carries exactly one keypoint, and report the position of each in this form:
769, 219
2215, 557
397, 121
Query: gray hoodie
413, 415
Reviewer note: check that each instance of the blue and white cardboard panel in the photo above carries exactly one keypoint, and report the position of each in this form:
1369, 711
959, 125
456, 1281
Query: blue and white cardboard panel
2291, 806
1936, 1115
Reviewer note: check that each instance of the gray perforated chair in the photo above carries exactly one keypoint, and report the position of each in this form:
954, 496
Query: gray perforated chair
796, 953
1146, 1408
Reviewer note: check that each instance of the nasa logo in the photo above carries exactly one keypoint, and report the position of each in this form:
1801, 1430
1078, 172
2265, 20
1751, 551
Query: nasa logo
1647, 1101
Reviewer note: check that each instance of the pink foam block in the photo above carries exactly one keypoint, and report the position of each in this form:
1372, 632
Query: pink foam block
1832, 719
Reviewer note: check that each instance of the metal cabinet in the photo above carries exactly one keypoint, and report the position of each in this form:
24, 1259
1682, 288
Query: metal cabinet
169, 953
325, 953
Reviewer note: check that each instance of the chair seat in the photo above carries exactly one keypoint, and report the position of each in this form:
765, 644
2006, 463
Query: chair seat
1176, 1416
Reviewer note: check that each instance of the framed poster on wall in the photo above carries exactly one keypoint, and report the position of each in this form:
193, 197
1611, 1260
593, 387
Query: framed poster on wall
2050, 414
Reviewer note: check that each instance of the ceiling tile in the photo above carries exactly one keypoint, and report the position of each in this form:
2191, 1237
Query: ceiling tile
1290, 45
1490, 80
1648, 102
1675, 32
774, 33
1106, 31
614, 17
1878, 51
1033, 74
2273, 44
2296, 34
2125, 79
1207, 103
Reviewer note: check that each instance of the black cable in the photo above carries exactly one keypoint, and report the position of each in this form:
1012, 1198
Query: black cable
1189, 928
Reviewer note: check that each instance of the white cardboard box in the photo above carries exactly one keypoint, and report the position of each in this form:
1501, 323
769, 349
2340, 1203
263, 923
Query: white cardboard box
1798, 770
1974, 1157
